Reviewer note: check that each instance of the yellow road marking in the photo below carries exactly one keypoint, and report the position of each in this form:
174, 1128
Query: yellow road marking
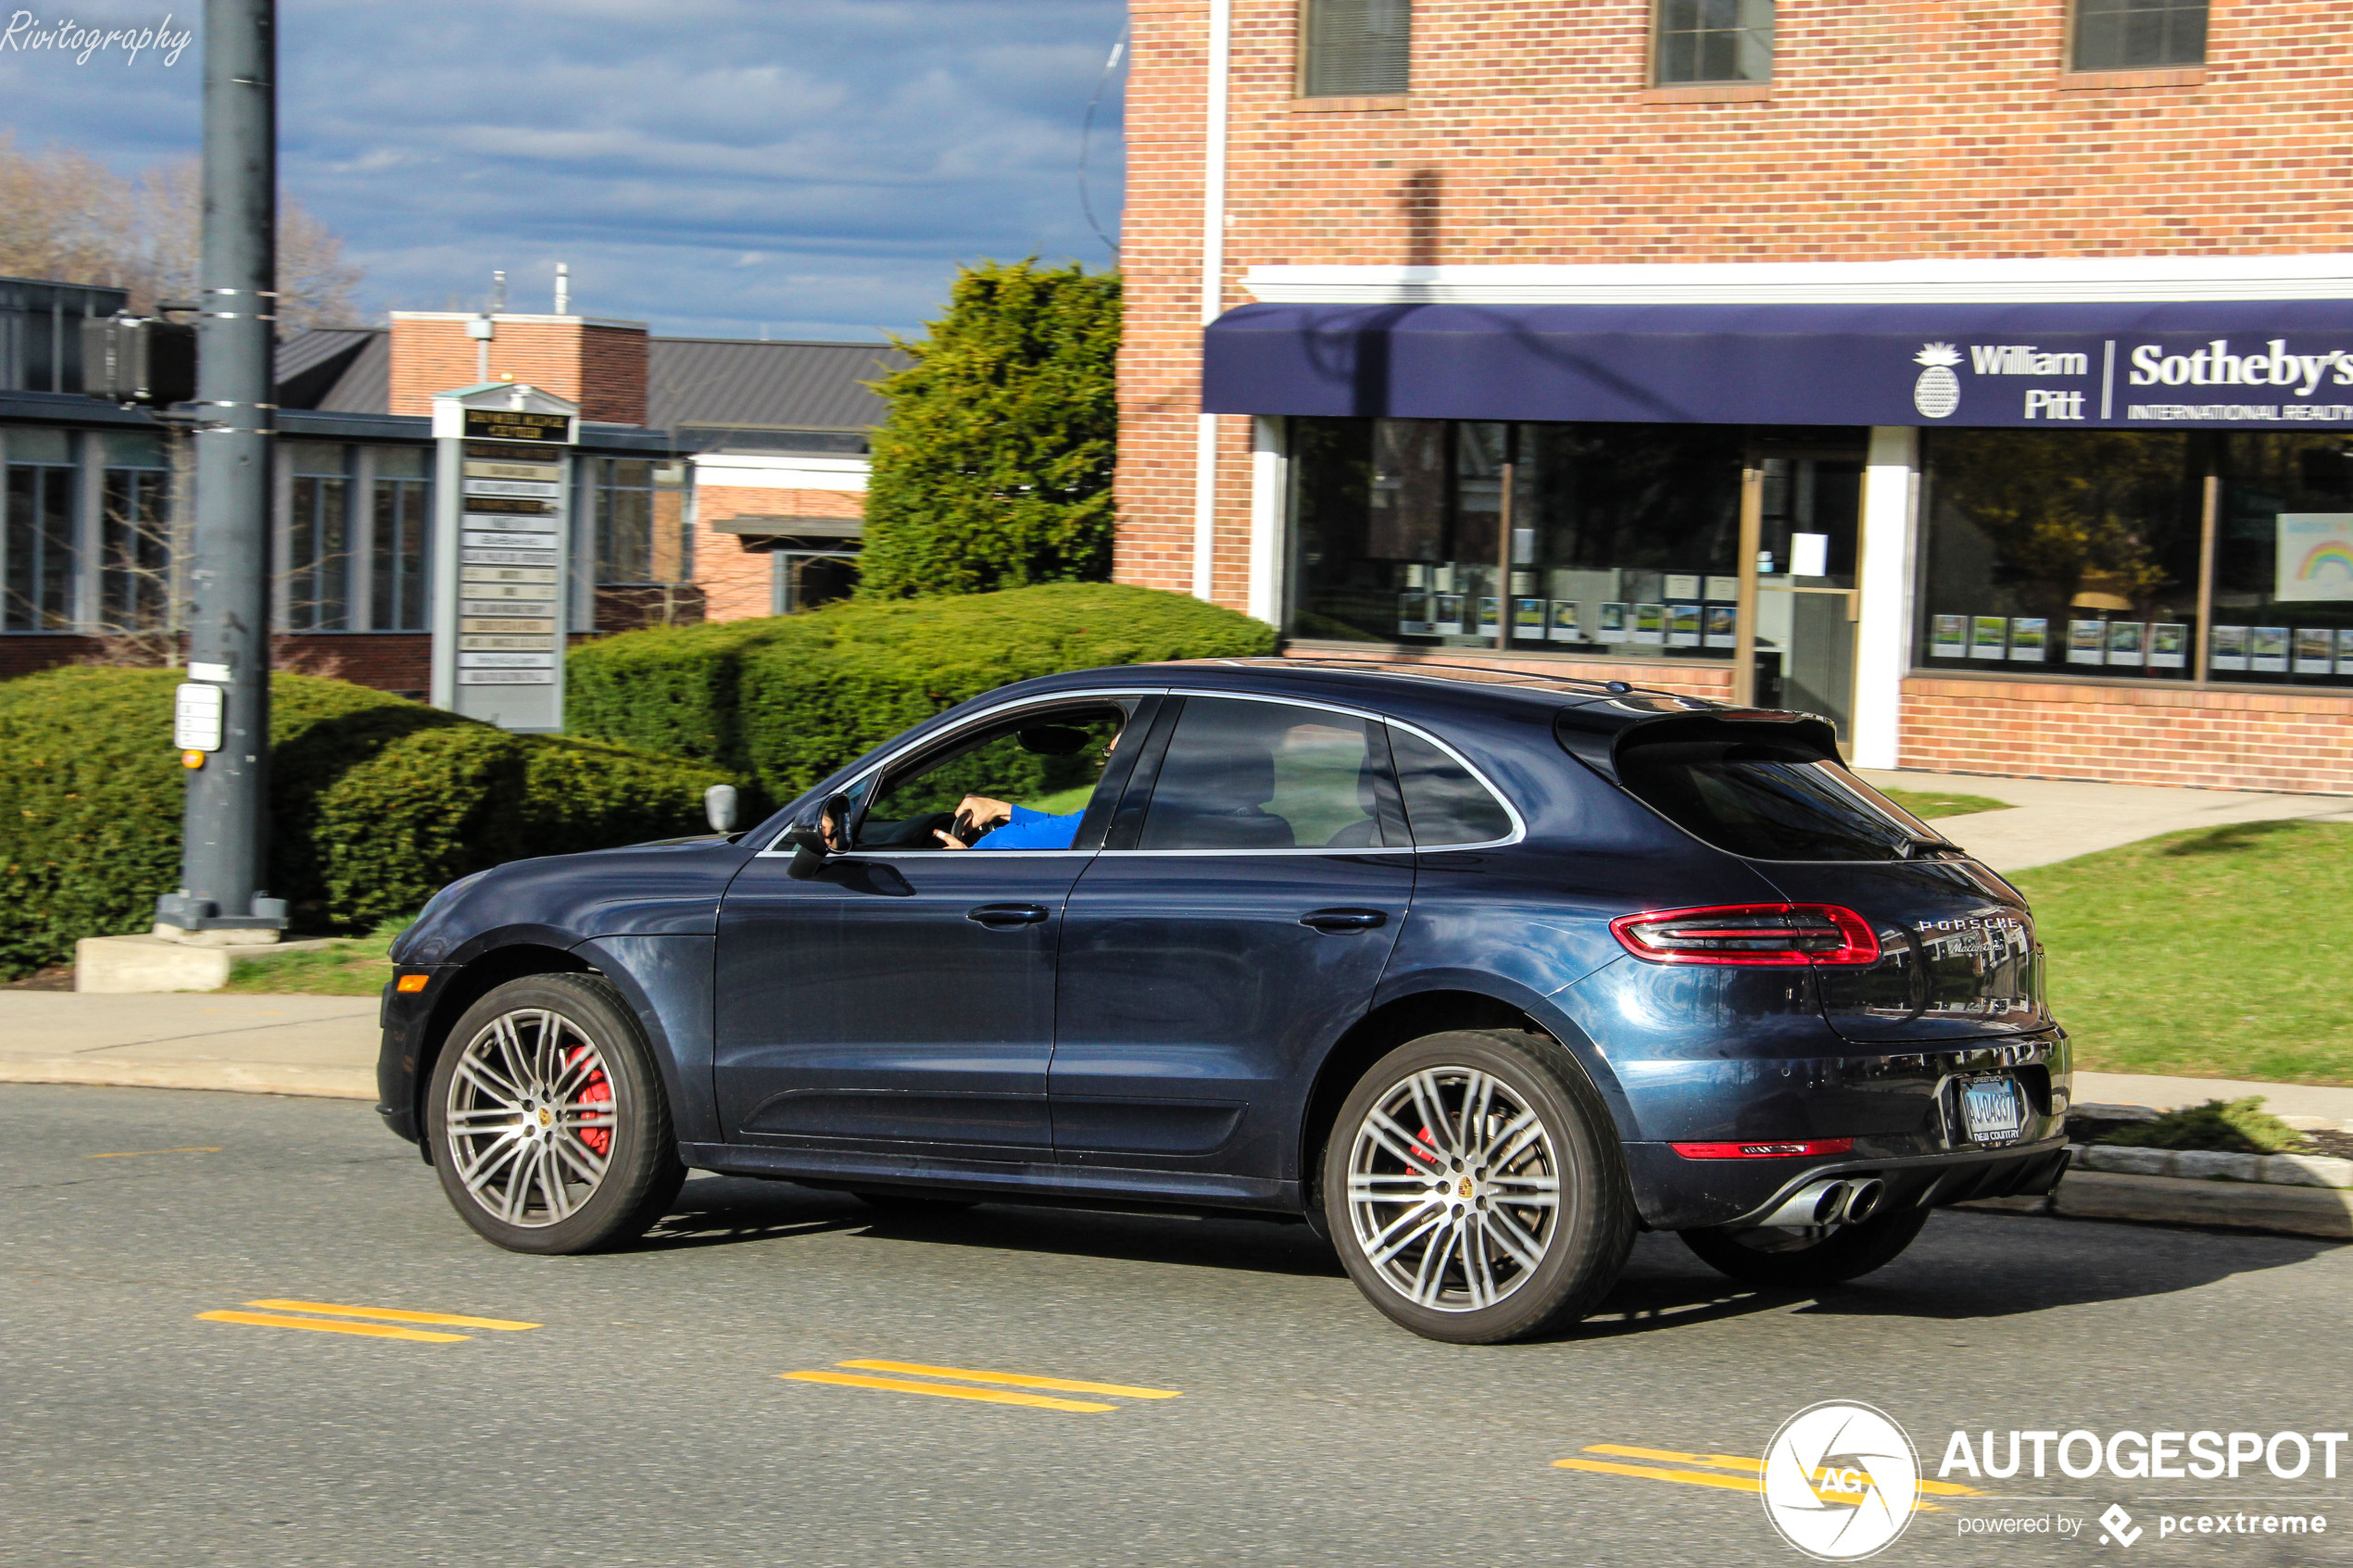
134, 1153
1756, 1466
318, 1325
941, 1390
1018, 1380
394, 1314
1688, 1477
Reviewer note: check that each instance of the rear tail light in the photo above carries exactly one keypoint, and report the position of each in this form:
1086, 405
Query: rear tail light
1750, 933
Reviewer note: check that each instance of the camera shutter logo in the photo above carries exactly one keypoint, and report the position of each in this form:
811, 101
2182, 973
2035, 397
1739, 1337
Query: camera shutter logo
1841, 1481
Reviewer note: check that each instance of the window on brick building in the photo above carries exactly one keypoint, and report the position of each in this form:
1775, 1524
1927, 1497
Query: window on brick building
1702, 40
1355, 48
403, 500
318, 577
2139, 34
2056, 554
1623, 538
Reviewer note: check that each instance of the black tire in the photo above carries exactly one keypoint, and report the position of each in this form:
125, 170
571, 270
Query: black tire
640, 1170
1572, 1264
912, 1205
1790, 1259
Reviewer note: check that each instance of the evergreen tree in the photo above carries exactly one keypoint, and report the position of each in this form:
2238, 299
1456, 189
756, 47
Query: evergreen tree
993, 468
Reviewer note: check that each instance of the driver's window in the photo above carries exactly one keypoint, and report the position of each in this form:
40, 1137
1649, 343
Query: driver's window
1023, 784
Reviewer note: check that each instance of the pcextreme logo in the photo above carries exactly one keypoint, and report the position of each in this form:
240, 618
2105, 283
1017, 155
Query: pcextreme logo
1850, 1452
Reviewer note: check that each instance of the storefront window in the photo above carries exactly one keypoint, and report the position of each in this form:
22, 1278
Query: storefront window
2284, 561
624, 520
319, 564
403, 503
134, 585
1621, 539
36, 539
2068, 552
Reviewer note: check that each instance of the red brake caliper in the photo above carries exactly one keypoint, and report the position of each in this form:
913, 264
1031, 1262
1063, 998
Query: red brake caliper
597, 1091
1424, 1138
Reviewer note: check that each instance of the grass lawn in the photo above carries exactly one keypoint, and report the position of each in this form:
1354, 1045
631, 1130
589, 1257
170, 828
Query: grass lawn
2206, 954
354, 968
1941, 803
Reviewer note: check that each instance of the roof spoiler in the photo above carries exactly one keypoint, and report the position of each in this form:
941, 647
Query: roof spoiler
1596, 737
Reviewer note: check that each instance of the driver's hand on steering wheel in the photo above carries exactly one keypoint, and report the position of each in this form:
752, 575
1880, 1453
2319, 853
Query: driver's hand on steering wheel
976, 814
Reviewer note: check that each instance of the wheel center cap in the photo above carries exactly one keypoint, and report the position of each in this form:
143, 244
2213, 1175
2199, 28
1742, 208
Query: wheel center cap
1462, 1190
548, 1119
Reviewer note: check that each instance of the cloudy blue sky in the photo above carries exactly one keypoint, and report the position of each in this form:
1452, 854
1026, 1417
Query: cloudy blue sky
707, 165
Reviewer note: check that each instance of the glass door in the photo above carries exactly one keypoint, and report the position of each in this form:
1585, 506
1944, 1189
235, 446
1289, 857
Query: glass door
1801, 573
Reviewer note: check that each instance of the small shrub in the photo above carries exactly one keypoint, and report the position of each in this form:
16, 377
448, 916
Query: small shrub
374, 802
2240, 1126
808, 693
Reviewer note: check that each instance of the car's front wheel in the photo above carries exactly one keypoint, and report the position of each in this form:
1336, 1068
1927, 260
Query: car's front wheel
1474, 1188
549, 1127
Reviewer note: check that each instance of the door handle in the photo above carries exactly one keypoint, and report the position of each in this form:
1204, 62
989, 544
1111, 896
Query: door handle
1003, 917
1332, 922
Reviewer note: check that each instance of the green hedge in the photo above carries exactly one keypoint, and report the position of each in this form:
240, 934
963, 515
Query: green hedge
375, 803
788, 700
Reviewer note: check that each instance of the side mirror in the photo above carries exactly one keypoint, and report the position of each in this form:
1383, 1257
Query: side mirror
719, 808
813, 842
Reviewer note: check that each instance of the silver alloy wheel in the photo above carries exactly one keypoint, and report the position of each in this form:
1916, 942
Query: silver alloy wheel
1453, 1189
530, 1117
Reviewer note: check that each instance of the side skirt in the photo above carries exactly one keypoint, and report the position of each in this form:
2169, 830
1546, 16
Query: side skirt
1032, 1181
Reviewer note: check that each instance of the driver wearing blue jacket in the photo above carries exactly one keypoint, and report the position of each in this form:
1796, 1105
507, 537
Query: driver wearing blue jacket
1015, 827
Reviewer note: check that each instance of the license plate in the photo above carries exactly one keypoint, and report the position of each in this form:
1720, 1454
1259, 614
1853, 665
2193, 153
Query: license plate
1992, 1109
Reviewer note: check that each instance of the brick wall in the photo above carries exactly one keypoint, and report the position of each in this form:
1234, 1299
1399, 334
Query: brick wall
2216, 739
1889, 131
737, 581
599, 365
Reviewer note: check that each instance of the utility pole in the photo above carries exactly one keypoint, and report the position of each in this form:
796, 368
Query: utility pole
225, 852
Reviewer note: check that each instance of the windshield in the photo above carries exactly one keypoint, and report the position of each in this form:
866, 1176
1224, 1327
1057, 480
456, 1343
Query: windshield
1769, 800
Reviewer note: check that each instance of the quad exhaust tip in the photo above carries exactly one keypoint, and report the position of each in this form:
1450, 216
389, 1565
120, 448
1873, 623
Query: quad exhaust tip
1829, 1202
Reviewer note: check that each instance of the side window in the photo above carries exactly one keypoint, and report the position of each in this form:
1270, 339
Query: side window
1266, 775
1444, 804
1023, 784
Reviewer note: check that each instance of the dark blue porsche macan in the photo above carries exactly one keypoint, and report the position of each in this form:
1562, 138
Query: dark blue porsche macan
1476, 973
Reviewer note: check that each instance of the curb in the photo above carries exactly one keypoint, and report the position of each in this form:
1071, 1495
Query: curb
321, 1082
2319, 1211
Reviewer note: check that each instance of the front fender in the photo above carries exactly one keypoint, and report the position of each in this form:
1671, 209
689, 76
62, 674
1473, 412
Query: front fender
667, 982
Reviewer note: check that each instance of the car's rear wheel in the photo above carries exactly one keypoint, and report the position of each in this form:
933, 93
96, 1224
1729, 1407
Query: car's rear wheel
1808, 1258
550, 1129
1474, 1188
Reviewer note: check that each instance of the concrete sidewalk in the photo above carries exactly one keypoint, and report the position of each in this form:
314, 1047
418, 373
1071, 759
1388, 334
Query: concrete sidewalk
2052, 819
324, 1046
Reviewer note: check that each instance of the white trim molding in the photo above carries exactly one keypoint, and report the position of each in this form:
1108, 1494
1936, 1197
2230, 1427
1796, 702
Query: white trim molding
1884, 637
1945, 281
784, 471
1267, 475
1213, 284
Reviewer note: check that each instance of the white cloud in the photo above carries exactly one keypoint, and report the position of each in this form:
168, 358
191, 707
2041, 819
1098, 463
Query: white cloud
703, 165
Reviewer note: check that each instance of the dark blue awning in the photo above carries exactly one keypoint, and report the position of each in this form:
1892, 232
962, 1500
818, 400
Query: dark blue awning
2267, 364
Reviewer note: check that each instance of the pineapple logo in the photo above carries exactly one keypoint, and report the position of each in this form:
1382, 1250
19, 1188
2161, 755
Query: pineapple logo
1938, 392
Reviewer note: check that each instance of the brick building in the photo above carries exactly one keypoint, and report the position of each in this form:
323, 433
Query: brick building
716, 479
1979, 376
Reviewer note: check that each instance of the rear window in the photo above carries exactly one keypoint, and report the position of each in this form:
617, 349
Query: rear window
1768, 799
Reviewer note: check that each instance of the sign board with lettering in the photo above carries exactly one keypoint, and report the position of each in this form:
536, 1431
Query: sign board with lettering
503, 506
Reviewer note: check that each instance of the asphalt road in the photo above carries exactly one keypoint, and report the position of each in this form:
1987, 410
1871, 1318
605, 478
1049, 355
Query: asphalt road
646, 1418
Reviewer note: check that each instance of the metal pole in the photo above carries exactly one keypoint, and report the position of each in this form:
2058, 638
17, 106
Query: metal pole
227, 844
